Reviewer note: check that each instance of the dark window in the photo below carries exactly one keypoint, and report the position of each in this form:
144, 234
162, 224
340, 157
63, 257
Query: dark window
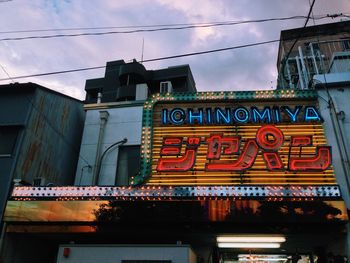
346, 45
8, 137
128, 163
316, 46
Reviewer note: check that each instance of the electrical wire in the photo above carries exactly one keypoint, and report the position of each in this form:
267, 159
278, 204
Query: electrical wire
53, 73
151, 30
8, 75
171, 57
313, 16
284, 61
143, 26
147, 60
317, 17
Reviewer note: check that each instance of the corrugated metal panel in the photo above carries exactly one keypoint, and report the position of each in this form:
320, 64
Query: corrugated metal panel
52, 138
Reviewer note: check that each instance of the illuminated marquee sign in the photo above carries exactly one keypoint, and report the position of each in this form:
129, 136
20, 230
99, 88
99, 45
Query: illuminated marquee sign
214, 147
227, 138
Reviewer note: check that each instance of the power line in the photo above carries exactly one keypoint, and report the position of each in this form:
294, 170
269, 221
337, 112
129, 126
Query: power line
54, 73
8, 75
212, 51
309, 14
313, 17
230, 23
284, 61
147, 60
170, 57
141, 26
317, 17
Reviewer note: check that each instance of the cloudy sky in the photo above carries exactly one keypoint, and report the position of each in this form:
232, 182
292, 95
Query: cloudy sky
241, 69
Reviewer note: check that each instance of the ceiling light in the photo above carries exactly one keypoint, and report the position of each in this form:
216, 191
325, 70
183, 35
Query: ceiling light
249, 245
263, 259
251, 238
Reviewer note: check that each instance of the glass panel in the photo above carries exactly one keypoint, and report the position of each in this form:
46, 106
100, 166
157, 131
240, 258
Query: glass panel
130, 212
128, 163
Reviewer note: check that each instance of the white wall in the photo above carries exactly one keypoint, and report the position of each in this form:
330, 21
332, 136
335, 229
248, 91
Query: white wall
123, 122
115, 254
341, 99
337, 124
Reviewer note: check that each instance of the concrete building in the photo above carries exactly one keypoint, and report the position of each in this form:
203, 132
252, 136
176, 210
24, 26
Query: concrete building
321, 54
131, 81
320, 60
114, 106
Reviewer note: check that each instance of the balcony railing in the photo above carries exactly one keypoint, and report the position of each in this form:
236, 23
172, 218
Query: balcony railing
317, 61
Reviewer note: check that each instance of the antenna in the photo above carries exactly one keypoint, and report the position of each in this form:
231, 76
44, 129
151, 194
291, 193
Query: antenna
143, 45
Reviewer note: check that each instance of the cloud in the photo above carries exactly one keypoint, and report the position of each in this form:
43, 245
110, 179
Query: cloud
242, 69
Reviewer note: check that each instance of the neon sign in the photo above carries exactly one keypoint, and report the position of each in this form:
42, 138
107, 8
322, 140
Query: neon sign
234, 138
240, 115
268, 141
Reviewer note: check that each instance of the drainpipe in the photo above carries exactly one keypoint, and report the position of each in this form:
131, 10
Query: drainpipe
103, 154
99, 97
103, 121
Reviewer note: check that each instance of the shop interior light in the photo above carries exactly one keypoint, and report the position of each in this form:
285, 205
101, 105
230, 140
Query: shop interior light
249, 245
256, 257
263, 259
251, 238
250, 241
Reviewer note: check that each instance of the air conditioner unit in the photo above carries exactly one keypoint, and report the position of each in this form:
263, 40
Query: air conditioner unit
141, 91
166, 87
39, 181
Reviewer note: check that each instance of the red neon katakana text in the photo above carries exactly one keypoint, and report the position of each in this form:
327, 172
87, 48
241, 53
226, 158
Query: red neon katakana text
268, 140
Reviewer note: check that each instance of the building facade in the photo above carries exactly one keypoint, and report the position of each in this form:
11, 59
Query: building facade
320, 54
194, 171
173, 174
39, 145
320, 60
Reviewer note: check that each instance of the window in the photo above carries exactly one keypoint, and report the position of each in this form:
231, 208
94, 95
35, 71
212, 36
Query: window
346, 45
166, 87
128, 163
8, 137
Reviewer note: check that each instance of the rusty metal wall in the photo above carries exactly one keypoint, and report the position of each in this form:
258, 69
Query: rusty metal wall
51, 141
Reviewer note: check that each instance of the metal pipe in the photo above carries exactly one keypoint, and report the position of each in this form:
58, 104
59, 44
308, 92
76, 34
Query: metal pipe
301, 81
313, 57
289, 76
103, 154
103, 121
303, 67
99, 97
